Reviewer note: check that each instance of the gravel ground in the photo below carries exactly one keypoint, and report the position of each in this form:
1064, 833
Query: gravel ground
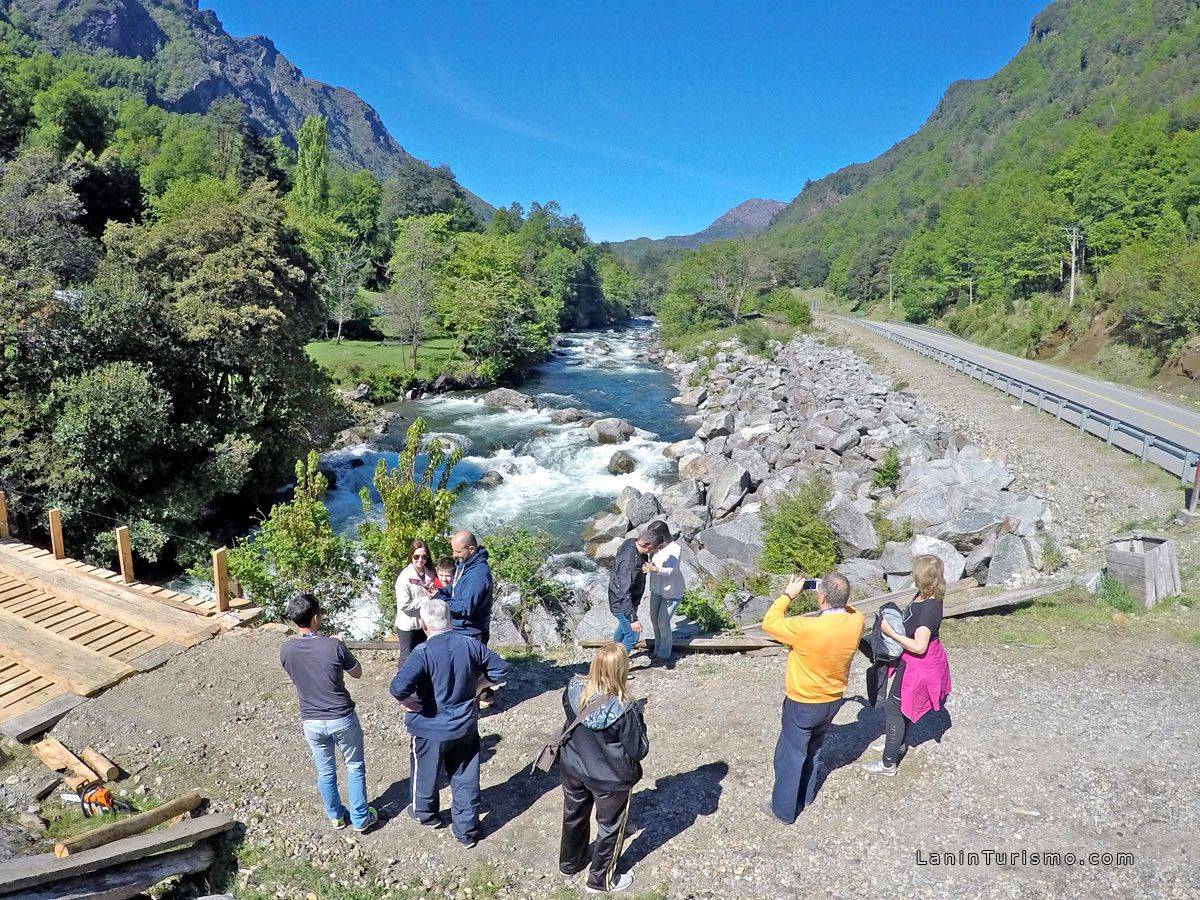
1094, 491
1088, 747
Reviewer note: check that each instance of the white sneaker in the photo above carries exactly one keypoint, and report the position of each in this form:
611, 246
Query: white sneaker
623, 883
876, 767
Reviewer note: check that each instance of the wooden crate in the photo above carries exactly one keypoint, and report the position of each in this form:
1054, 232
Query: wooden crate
1146, 564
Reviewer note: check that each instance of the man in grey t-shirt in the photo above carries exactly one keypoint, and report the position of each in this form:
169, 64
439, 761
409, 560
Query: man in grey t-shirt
317, 666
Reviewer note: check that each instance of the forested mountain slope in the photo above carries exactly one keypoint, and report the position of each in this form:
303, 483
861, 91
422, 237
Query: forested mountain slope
1089, 138
748, 217
190, 61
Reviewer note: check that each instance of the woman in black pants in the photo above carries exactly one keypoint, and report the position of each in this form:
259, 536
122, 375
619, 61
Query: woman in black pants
600, 762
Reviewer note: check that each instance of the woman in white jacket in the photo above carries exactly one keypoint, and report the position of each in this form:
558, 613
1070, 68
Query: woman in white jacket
413, 587
665, 583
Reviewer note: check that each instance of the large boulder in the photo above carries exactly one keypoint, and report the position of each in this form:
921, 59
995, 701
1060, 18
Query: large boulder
739, 540
715, 426
628, 494
507, 398
866, 576
854, 532
621, 463
972, 526
606, 552
1012, 560
605, 528
642, 510
746, 608
610, 431
896, 558
730, 482
565, 416
688, 521
688, 492
752, 461
697, 466
680, 449
952, 560
927, 505
846, 440
979, 558
597, 623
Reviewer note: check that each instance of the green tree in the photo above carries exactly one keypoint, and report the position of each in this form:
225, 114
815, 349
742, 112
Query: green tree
796, 535
418, 271
296, 549
310, 191
417, 501
72, 112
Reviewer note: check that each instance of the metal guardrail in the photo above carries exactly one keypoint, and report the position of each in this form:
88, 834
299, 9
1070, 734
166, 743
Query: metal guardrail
1147, 446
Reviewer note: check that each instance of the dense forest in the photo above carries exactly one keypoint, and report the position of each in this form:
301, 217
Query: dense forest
1059, 197
161, 275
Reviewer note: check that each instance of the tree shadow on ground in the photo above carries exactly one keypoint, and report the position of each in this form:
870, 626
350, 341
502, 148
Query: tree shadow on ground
672, 806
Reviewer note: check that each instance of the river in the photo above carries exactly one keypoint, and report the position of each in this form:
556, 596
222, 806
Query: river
554, 477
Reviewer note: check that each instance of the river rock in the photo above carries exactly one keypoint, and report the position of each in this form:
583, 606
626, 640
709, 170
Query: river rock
628, 494
604, 553
854, 531
715, 426
597, 623
692, 396
1012, 560
361, 391
491, 478
610, 431
605, 528
507, 398
697, 466
642, 510
778, 484
845, 441
688, 521
952, 560
752, 461
621, 463
567, 416
730, 482
739, 540
687, 492
680, 449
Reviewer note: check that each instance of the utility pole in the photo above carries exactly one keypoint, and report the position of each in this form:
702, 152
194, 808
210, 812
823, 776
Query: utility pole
1075, 236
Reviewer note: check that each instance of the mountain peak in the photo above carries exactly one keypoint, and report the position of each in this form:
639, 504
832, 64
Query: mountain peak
748, 217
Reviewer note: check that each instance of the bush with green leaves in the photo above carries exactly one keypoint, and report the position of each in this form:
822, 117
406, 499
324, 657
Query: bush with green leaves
888, 530
417, 501
517, 555
706, 610
296, 549
1115, 594
754, 336
796, 535
887, 473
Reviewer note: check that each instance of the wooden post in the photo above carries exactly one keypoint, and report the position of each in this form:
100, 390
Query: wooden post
125, 554
135, 824
56, 536
1191, 507
100, 764
221, 579
4, 533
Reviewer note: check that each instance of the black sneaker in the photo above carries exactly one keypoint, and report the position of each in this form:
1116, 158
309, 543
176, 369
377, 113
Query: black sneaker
439, 822
468, 844
372, 820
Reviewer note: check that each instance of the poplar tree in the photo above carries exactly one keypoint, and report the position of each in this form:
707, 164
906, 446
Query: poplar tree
311, 179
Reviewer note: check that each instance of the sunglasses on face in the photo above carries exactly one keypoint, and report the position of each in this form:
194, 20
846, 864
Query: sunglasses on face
420, 556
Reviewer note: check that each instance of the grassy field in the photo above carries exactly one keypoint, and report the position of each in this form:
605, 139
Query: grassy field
354, 360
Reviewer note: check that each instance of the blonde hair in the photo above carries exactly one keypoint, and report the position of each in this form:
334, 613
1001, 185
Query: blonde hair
929, 575
608, 674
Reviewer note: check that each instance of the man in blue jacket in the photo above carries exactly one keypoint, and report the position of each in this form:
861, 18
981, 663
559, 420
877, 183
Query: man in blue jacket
471, 596
436, 684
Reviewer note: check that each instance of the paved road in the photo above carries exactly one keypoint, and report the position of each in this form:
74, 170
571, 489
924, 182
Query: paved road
1162, 432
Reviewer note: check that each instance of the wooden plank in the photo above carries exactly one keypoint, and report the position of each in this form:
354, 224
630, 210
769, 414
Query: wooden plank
53, 657
123, 828
131, 879
56, 535
42, 717
220, 561
730, 644
57, 758
125, 554
46, 868
114, 601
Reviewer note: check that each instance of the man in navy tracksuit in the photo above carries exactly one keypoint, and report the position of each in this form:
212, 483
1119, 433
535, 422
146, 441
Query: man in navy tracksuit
470, 598
436, 684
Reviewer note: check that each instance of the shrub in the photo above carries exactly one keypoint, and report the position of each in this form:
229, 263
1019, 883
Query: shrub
796, 535
1115, 594
517, 555
806, 601
1052, 557
887, 530
754, 336
707, 612
887, 473
793, 307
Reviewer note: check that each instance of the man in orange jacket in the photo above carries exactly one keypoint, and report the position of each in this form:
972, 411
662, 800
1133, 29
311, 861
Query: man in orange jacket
818, 666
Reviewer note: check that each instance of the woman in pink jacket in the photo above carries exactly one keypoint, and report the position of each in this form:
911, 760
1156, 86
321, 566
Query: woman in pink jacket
921, 678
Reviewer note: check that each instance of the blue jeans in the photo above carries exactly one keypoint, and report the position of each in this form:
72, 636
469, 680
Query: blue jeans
662, 611
324, 736
625, 633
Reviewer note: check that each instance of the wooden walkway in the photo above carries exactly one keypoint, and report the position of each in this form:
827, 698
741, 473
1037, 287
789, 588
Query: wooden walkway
68, 629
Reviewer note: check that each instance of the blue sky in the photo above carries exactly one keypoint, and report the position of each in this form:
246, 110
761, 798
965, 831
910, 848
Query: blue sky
644, 118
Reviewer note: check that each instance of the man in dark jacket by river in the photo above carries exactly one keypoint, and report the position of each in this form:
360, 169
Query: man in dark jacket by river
436, 684
626, 584
470, 599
